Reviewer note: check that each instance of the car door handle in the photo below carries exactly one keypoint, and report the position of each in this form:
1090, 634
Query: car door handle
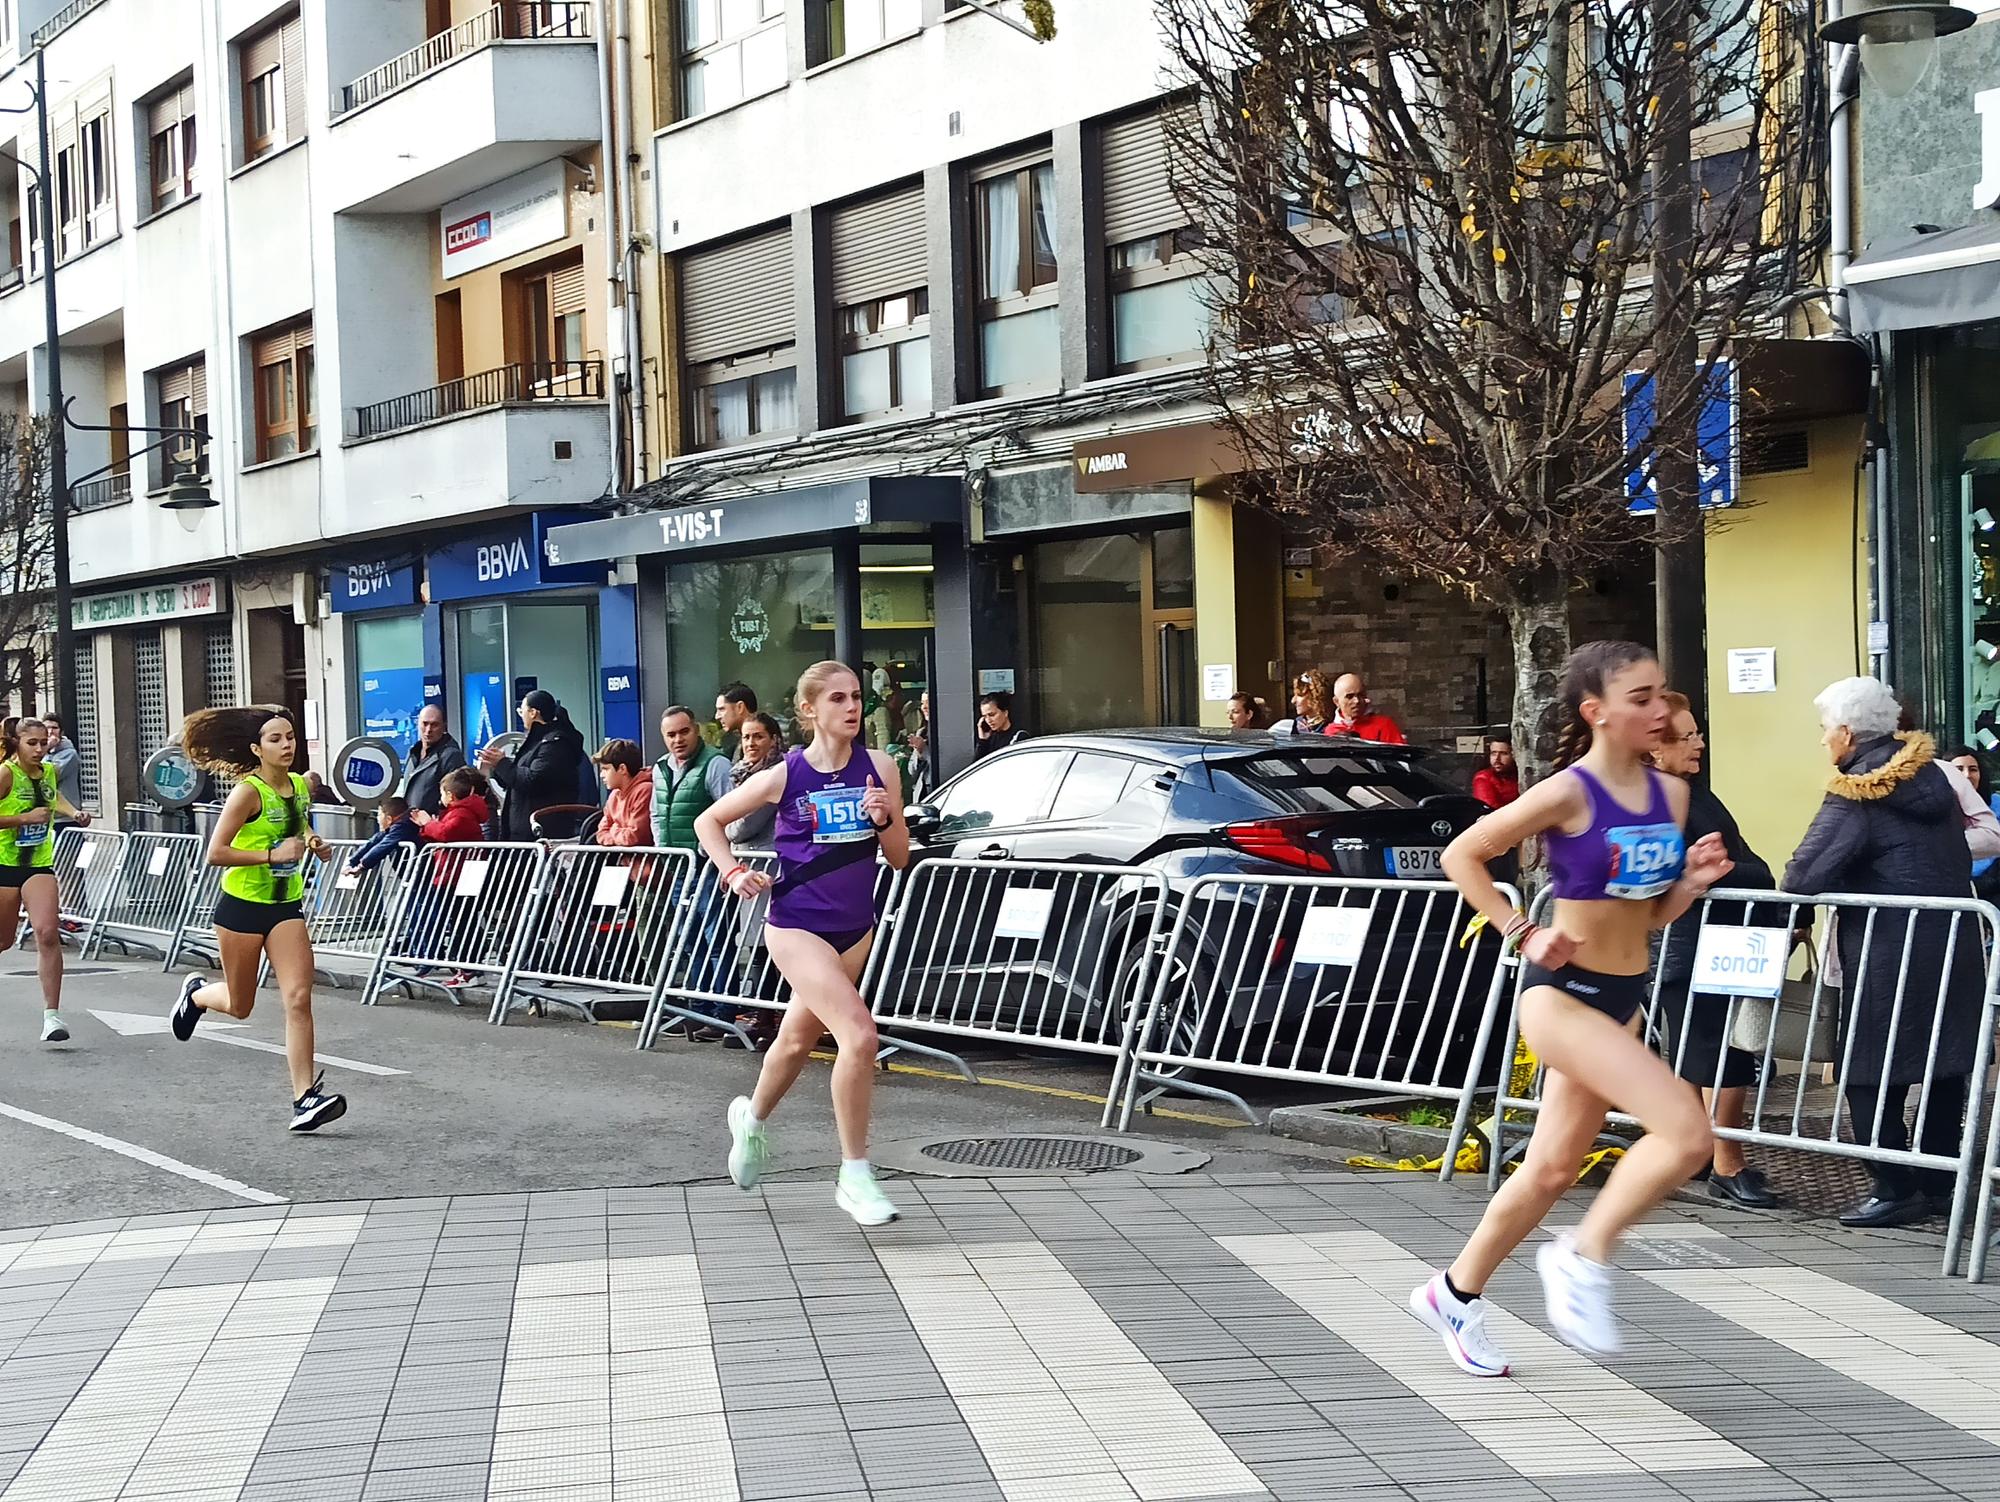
992, 853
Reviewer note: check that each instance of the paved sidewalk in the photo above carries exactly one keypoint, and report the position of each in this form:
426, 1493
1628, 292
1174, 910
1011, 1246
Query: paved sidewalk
1060, 1339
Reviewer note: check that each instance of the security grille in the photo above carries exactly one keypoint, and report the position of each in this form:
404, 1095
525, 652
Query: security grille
1043, 1154
83, 679
218, 666
149, 675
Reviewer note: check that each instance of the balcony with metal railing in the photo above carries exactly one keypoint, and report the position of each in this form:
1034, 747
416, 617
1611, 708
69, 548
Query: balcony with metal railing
513, 86
95, 495
529, 432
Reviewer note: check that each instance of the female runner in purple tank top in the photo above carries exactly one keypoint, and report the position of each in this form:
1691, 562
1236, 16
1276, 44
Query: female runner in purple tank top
1620, 868
838, 805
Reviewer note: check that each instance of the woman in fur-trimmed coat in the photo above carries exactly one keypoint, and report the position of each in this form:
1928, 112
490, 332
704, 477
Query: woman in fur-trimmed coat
1891, 825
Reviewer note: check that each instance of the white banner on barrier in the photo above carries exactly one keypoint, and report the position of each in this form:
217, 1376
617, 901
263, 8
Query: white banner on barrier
611, 884
471, 879
1024, 913
1332, 936
85, 856
347, 881
1742, 961
156, 863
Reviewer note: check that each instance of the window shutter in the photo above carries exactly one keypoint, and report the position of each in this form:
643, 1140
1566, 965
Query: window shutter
174, 384
878, 247
737, 298
293, 61
269, 349
1139, 199
164, 113
263, 52
198, 388
566, 290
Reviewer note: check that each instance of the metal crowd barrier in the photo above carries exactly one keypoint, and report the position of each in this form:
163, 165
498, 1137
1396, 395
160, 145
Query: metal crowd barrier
143, 907
1777, 1110
1042, 954
718, 968
86, 864
195, 938
1354, 984
350, 916
606, 922
463, 920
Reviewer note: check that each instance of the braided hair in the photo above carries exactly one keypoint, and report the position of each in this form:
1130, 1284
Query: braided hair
1585, 673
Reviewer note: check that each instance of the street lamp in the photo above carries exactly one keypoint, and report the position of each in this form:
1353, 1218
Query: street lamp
1897, 39
188, 494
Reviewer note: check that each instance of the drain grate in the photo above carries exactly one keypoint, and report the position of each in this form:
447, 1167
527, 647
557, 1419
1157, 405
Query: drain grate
1034, 1154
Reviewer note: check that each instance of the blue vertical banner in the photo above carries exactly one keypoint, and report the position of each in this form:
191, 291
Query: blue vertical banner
389, 699
1718, 438
617, 662
485, 709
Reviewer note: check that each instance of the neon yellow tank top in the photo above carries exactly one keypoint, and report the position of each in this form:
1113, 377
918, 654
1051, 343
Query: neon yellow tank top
28, 844
280, 883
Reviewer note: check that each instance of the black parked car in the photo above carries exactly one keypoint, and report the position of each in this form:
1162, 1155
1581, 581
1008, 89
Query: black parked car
1191, 803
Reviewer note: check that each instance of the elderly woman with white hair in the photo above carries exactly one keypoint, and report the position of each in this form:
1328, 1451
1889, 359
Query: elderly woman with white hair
1891, 825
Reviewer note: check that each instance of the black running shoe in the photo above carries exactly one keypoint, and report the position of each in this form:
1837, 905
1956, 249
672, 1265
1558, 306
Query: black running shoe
185, 1013
317, 1107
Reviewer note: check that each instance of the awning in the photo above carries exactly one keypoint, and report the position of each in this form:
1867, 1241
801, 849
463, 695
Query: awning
812, 515
1946, 277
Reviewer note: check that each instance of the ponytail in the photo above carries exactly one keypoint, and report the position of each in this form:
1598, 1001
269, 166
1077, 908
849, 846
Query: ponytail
1571, 741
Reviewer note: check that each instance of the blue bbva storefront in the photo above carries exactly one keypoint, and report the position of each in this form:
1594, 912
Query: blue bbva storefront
475, 623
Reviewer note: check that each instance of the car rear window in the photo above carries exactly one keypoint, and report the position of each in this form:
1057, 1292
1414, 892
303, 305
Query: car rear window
1336, 782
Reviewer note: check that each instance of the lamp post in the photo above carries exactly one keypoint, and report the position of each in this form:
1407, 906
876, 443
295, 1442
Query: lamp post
1897, 39
64, 667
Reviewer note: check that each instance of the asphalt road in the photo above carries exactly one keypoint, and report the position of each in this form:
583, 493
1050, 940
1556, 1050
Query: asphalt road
540, 1103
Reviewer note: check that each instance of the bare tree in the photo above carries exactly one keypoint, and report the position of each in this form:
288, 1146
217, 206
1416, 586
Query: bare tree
26, 547
1433, 226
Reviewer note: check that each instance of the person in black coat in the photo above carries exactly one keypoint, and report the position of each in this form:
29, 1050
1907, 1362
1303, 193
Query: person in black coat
1891, 824
542, 771
1699, 1048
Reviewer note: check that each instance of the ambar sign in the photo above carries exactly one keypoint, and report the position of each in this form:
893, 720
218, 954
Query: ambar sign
154, 602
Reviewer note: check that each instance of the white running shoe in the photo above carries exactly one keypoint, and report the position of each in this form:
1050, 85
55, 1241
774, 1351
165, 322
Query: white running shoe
1579, 1298
861, 1197
53, 1030
748, 1147
1461, 1324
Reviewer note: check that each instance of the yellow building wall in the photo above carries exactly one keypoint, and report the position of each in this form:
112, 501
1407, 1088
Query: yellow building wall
1787, 572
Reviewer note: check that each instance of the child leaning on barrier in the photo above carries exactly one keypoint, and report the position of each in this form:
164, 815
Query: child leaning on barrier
395, 828
463, 822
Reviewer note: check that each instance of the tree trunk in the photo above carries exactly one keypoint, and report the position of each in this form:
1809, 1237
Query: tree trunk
1537, 607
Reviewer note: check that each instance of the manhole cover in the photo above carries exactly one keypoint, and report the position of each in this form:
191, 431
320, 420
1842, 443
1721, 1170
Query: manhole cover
1036, 1154
71, 970
1000, 1156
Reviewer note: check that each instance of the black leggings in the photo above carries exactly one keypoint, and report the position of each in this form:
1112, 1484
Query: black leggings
1944, 1131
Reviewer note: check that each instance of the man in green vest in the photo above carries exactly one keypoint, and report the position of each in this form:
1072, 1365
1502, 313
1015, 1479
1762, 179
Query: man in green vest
690, 777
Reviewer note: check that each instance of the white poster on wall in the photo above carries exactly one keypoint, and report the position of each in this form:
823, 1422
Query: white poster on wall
528, 209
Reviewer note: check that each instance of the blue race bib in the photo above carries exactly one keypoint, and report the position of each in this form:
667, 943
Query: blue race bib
27, 836
837, 817
1646, 859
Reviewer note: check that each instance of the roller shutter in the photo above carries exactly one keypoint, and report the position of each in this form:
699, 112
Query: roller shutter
736, 298
1139, 196
878, 247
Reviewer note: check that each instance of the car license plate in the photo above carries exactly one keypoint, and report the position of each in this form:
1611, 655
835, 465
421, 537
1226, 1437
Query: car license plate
1415, 861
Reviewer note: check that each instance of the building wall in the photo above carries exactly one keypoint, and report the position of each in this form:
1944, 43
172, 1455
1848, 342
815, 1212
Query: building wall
1790, 572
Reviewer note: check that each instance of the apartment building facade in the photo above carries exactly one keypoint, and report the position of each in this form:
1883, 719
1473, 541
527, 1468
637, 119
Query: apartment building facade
365, 246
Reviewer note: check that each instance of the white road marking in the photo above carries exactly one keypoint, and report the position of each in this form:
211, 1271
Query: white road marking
1560, 1414
1877, 1342
144, 1155
610, 1386
1060, 1401
139, 1024
181, 1404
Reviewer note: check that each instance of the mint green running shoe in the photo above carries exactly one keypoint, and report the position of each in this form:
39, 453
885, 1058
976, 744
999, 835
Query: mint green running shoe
748, 1147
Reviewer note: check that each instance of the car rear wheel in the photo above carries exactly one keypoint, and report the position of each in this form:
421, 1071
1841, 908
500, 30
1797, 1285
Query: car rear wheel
1134, 984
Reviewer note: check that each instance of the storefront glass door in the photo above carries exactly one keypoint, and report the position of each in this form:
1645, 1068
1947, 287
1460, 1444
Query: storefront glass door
506, 650
898, 620
760, 621
1112, 631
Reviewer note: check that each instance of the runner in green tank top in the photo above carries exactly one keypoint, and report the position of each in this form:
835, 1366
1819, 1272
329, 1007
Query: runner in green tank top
262, 841
29, 802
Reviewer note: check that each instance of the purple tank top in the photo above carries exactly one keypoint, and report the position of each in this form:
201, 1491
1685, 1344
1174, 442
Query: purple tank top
1621, 854
826, 847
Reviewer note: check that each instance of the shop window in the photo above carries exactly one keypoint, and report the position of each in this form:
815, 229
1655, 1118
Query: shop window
743, 399
729, 50
181, 392
286, 416
272, 63
885, 356
1019, 343
840, 27
1160, 310
760, 621
170, 134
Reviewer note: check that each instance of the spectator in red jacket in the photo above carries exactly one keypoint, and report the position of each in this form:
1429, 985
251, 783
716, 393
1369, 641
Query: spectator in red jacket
436, 911
1354, 713
1498, 783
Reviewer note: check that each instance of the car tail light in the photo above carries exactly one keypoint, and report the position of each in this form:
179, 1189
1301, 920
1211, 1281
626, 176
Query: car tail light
1280, 841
